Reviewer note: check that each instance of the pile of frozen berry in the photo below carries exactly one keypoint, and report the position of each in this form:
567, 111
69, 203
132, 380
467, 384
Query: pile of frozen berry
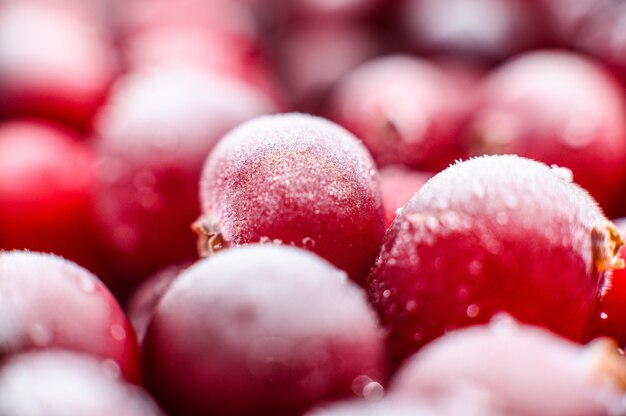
312, 207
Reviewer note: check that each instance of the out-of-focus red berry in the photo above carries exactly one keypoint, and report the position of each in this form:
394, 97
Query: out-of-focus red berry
53, 63
48, 178
398, 184
153, 137
263, 329
559, 108
48, 302
405, 109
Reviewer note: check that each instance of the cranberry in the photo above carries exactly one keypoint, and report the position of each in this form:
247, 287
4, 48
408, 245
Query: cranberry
264, 329
519, 370
312, 55
46, 302
488, 30
398, 184
53, 63
48, 179
558, 108
297, 179
56, 382
496, 233
153, 136
610, 320
405, 109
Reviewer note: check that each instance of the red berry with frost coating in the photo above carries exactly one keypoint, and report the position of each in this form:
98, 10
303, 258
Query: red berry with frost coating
558, 108
48, 176
59, 383
405, 109
519, 370
48, 302
153, 136
298, 179
398, 184
495, 233
261, 329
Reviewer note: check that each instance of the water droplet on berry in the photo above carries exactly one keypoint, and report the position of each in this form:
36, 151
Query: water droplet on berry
475, 268
373, 391
387, 293
117, 332
472, 311
603, 315
308, 242
411, 306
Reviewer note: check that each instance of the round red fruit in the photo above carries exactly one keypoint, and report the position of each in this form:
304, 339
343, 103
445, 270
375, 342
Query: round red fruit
48, 302
495, 233
261, 329
296, 179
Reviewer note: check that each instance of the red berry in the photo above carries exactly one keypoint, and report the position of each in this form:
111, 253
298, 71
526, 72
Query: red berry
298, 179
405, 109
48, 181
53, 63
476, 29
261, 329
558, 108
154, 135
518, 370
491, 234
48, 302
57, 383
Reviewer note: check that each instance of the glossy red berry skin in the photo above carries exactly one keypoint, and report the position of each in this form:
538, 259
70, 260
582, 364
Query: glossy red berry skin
466, 247
517, 370
55, 63
297, 179
48, 302
153, 137
265, 329
46, 192
405, 109
558, 108
60, 382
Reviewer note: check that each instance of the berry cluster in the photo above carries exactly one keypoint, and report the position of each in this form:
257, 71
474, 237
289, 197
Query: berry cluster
307, 207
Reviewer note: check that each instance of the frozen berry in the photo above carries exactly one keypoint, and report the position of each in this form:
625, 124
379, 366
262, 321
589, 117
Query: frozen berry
53, 63
48, 302
405, 109
46, 191
59, 383
261, 329
398, 184
297, 179
558, 108
520, 370
154, 135
495, 233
